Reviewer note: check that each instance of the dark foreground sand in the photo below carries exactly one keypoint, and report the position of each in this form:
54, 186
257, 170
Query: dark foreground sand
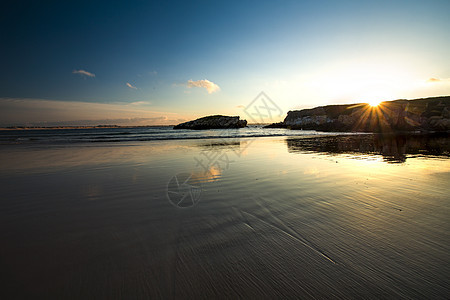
273, 217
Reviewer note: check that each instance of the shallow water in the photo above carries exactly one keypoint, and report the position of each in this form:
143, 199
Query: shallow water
263, 217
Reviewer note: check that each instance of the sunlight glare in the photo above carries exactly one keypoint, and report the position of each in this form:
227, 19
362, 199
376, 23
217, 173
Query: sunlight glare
365, 82
374, 103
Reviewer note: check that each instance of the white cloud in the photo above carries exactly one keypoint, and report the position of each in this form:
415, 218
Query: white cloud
131, 86
83, 73
210, 86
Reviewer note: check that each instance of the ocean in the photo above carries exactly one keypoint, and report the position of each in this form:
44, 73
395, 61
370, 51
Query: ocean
131, 134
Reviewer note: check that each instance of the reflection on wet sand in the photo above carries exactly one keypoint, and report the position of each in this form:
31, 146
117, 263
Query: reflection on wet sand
216, 156
394, 148
236, 145
224, 143
209, 175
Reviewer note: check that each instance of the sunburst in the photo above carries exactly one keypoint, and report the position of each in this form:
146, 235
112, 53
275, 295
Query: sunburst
374, 103
371, 116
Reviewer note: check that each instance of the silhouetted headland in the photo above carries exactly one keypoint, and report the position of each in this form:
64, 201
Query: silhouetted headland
425, 115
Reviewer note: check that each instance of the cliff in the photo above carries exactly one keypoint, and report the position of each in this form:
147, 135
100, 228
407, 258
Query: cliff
213, 122
427, 114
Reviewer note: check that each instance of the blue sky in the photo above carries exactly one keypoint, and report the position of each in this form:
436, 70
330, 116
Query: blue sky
159, 63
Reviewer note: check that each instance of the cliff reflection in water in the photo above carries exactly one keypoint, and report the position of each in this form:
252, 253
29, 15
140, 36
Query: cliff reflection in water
395, 148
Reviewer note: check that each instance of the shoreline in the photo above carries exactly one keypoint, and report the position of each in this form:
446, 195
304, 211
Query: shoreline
264, 126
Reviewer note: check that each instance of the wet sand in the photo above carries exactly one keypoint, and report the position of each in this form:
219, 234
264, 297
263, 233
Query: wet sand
265, 217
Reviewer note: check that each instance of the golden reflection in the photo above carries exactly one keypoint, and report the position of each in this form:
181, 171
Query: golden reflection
313, 171
209, 175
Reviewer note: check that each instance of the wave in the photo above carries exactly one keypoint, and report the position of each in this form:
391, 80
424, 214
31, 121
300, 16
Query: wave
139, 134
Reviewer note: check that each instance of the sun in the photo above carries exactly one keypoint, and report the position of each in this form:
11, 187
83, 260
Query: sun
374, 103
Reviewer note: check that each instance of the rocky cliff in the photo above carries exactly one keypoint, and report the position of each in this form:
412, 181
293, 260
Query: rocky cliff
427, 114
213, 122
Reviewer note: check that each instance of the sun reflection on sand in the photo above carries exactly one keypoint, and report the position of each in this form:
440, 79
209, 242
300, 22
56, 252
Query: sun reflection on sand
210, 175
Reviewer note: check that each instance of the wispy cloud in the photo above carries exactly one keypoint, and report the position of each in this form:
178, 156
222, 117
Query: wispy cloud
434, 79
131, 86
140, 103
210, 86
83, 73
19, 111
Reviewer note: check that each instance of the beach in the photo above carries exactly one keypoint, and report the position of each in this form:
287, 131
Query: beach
270, 217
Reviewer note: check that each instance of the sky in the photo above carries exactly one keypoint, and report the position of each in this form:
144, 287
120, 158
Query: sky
152, 63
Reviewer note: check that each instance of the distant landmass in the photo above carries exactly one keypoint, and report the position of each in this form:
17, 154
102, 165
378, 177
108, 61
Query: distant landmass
213, 122
425, 114
73, 127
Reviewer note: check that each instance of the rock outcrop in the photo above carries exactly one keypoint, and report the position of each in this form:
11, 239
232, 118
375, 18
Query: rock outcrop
213, 122
428, 114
